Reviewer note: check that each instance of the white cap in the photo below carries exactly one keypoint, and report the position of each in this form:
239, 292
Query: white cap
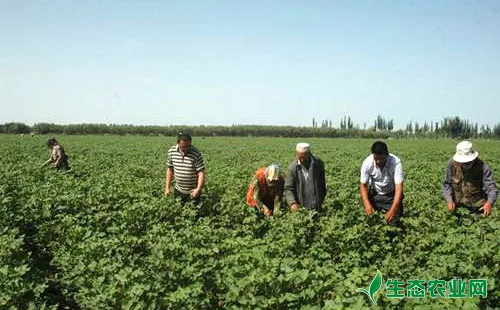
303, 147
465, 153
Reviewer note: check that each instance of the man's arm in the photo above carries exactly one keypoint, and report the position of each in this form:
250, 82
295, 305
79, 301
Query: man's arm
447, 187
447, 183
363, 187
169, 175
201, 182
363, 191
322, 181
289, 188
398, 192
490, 188
398, 196
200, 170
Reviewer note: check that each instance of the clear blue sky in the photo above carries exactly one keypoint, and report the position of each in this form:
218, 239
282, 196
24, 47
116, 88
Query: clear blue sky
248, 62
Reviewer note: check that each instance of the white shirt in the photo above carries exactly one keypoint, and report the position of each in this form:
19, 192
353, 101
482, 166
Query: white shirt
384, 179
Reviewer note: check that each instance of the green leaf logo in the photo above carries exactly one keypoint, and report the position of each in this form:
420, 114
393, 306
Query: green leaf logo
374, 287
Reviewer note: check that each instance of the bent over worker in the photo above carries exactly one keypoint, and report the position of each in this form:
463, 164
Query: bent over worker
265, 191
58, 158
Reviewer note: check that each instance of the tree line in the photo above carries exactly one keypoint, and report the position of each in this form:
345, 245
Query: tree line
449, 127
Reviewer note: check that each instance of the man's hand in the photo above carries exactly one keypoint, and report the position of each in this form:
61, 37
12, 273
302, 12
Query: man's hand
294, 207
369, 209
451, 205
167, 191
390, 215
195, 193
486, 209
267, 211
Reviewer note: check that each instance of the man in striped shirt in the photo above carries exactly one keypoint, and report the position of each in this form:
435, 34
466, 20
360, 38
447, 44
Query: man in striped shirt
185, 164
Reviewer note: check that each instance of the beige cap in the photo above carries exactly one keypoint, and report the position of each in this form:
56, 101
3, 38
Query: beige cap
303, 147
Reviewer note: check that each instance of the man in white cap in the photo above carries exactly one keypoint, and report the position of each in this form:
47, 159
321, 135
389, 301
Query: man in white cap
468, 181
305, 184
265, 191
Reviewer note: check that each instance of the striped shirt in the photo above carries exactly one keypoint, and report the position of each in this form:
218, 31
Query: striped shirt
186, 167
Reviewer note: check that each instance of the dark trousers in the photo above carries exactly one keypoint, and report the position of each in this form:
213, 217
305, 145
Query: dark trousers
383, 203
185, 198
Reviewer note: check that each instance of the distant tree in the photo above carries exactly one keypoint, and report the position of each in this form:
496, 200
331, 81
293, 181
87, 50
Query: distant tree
17, 128
390, 125
409, 128
496, 131
425, 129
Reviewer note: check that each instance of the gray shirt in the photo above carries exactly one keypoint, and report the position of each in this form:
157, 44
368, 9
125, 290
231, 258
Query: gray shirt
296, 188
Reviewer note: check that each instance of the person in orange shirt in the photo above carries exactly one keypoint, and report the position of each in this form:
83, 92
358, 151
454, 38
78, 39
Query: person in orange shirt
265, 191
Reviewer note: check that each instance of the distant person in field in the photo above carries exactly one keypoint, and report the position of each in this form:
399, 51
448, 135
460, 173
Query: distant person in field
468, 182
185, 164
58, 158
305, 184
265, 191
381, 183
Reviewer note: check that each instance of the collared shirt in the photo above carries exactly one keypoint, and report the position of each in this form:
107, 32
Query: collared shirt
382, 179
186, 167
305, 171
489, 186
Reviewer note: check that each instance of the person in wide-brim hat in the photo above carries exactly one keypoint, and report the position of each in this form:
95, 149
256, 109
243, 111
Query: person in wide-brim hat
469, 181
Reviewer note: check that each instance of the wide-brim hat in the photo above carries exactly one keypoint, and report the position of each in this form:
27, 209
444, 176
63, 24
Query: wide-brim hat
465, 153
